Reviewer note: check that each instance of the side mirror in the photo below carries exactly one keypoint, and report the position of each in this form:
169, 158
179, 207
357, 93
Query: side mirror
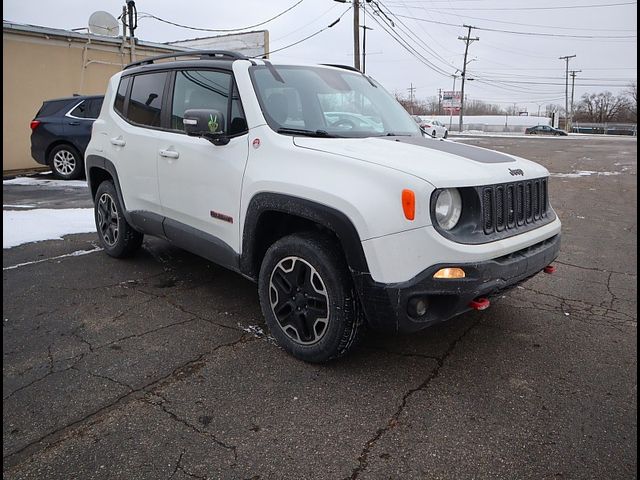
205, 123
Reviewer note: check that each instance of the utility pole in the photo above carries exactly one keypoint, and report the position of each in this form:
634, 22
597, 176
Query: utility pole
439, 99
356, 34
411, 90
467, 40
573, 84
566, 89
453, 92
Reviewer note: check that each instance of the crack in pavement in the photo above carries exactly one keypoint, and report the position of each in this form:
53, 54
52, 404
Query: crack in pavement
39, 379
574, 304
97, 375
594, 269
184, 422
51, 439
393, 421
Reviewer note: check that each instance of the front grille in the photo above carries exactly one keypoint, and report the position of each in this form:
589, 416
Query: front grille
509, 206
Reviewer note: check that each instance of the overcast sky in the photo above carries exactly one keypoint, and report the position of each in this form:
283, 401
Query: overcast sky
508, 67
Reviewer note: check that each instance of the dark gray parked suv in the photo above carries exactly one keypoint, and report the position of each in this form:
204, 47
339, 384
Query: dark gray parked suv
60, 133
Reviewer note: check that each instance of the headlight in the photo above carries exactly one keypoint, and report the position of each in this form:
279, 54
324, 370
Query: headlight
448, 208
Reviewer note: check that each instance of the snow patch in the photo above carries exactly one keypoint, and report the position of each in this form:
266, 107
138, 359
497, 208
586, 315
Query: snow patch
77, 253
45, 182
26, 226
583, 173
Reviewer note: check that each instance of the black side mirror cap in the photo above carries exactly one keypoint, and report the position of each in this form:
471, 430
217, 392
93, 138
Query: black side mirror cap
206, 123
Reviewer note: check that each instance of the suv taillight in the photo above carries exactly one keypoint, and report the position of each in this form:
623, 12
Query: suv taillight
34, 124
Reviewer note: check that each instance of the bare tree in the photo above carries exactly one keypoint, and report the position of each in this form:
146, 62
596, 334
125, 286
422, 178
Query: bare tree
632, 93
601, 107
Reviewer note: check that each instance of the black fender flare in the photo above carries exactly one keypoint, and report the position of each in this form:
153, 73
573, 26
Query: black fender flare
328, 217
93, 162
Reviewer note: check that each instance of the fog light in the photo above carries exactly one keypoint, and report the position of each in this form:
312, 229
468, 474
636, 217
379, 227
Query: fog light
417, 306
453, 272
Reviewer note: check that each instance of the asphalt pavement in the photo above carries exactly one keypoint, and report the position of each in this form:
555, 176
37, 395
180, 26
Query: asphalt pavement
160, 366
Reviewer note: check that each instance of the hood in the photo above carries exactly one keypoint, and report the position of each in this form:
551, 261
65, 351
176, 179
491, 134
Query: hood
440, 162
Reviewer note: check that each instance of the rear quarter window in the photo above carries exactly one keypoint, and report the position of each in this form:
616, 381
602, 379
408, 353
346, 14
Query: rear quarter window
52, 107
145, 101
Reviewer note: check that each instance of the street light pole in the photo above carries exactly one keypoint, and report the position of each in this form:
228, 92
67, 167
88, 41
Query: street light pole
566, 88
453, 92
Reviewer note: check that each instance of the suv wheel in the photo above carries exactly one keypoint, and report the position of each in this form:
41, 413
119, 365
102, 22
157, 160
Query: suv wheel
116, 236
308, 298
66, 162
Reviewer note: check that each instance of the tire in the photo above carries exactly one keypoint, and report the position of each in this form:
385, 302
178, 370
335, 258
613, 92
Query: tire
434, 134
446, 134
310, 273
116, 236
66, 162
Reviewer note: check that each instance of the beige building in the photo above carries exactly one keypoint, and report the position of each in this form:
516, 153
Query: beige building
41, 63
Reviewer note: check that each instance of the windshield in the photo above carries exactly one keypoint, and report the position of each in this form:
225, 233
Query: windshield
329, 103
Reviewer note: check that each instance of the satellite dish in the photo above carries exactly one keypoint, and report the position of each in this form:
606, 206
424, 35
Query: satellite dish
103, 23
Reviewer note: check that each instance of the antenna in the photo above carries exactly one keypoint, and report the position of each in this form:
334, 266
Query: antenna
103, 23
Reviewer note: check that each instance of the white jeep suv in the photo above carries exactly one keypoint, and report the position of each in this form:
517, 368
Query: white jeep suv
315, 183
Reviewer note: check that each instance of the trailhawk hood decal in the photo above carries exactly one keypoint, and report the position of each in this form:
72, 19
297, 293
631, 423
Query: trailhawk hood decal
441, 163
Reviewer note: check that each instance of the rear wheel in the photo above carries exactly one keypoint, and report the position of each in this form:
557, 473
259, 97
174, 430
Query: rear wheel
66, 162
308, 298
446, 133
115, 235
434, 134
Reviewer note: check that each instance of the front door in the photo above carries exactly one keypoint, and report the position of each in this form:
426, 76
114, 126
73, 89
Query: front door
200, 183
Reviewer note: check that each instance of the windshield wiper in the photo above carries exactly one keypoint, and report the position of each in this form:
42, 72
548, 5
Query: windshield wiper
306, 133
391, 134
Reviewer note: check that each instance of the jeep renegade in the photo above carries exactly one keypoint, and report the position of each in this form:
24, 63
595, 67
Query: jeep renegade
314, 182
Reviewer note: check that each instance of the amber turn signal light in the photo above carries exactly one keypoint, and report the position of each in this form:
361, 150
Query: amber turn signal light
409, 204
451, 272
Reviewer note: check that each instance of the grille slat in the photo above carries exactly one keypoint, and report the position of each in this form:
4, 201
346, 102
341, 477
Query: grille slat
509, 206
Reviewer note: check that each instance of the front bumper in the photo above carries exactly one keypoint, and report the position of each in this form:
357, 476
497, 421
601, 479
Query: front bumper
386, 305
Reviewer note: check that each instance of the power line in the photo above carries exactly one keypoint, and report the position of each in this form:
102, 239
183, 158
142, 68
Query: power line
521, 33
408, 31
444, 12
149, 15
310, 36
404, 44
561, 7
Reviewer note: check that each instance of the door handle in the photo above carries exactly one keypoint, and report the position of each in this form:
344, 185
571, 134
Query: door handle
118, 142
74, 123
169, 154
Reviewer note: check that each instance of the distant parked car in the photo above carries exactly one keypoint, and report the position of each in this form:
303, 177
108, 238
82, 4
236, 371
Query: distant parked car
60, 133
544, 130
432, 126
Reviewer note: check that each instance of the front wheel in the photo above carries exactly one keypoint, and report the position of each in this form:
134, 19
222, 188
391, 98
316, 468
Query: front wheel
308, 298
446, 134
115, 235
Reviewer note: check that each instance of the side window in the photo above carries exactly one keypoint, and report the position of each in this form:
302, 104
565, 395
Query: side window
199, 89
81, 111
146, 99
118, 105
238, 122
93, 109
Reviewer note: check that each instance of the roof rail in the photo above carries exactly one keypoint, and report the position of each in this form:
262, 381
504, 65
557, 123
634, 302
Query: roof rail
345, 67
203, 54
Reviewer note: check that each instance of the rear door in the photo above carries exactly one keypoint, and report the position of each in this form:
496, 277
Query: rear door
200, 183
133, 139
78, 122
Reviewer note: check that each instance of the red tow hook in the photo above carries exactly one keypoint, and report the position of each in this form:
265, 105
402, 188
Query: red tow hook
480, 303
549, 269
